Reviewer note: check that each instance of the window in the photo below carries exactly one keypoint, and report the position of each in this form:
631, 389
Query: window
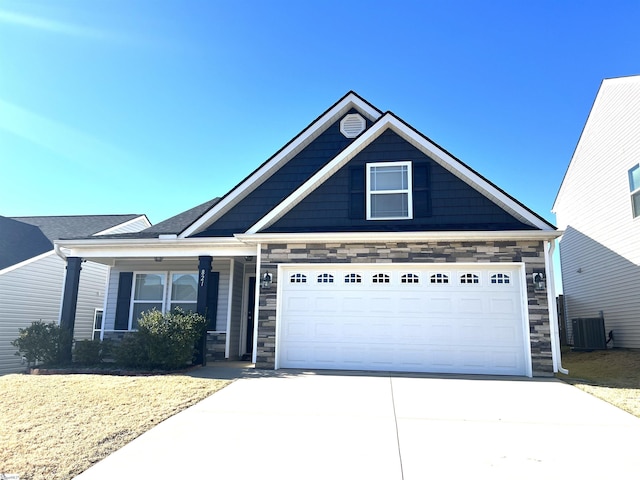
298, 278
381, 278
634, 186
352, 278
97, 323
439, 278
184, 291
389, 191
325, 278
410, 278
500, 278
469, 278
162, 291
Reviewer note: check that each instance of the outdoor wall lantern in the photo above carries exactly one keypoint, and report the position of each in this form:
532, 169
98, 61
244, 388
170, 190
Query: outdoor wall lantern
539, 283
267, 278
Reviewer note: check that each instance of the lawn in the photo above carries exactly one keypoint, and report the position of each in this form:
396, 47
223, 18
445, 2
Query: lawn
612, 375
57, 426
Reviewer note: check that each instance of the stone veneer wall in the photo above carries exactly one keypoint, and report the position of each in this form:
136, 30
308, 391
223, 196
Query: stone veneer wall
529, 252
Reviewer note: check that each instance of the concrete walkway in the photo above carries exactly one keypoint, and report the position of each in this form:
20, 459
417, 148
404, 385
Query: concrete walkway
295, 425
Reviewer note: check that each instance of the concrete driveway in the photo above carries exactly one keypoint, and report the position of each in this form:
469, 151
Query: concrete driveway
296, 425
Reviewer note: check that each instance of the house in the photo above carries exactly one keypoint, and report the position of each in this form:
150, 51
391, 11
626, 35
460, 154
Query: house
359, 245
598, 206
32, 275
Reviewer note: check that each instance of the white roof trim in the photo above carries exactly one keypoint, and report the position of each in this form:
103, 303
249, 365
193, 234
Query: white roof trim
23, 263
372, 237
418, 141
350, 101
153, 247
120, 225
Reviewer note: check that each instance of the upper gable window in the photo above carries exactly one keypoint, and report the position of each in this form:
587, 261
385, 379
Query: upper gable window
389, 191
634, 186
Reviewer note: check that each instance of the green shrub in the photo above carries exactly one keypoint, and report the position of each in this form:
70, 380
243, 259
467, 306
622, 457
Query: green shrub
89, 352
39, 343
165, 341
132, 352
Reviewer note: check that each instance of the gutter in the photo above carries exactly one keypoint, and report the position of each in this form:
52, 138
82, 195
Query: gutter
549, 248
58, 250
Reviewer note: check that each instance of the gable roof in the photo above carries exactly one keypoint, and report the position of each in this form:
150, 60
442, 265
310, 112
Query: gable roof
350, 101
22, 238
422, 143
381, 122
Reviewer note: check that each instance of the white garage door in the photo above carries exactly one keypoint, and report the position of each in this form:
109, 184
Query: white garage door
417, 318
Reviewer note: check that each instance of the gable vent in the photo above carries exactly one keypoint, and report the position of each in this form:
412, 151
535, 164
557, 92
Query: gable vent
352, 125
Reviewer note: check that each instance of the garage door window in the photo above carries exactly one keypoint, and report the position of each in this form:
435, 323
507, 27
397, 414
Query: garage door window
469, 278
500, 278
352, 278
298, 278
381, 278
410, 278
325, 278
439, 278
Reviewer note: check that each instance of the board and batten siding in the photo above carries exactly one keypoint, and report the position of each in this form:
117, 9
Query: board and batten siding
33, 291
221, 265
600, 250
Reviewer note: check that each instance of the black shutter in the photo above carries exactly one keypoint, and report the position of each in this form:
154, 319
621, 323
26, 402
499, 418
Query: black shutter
357, 193
124, 301
212, 300
421, 190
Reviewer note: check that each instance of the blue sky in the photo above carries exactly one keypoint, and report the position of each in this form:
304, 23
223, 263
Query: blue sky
120, 106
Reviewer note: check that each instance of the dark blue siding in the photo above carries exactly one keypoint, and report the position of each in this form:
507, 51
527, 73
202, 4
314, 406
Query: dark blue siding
452, 204
282, 183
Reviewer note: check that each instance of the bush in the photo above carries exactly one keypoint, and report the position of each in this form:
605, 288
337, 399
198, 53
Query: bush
165, 341
39, 343
89, 352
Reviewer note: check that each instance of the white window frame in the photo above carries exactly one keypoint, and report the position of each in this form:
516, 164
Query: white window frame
634, 193
408, 190
166, 291
97, 330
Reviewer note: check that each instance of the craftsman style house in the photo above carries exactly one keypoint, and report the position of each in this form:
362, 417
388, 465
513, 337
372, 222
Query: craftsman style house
360, 245
598, 206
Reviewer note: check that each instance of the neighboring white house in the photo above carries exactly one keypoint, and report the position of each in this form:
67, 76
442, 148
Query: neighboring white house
598, 206
32, 274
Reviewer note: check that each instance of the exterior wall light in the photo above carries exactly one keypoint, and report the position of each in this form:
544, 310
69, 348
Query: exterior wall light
267, 279
539, 283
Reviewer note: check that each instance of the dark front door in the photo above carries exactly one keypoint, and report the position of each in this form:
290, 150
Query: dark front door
251, 304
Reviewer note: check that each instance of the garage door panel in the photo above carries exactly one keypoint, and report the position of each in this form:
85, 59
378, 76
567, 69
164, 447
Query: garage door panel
413, 326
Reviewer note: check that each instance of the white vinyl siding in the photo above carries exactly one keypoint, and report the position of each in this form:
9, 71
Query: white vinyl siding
34, 291
219, 265
600, 251
132, 226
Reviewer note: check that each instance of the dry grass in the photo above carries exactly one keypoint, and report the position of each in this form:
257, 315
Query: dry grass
57, 426
612, 375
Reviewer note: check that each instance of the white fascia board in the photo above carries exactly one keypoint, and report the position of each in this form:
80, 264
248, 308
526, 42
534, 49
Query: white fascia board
130, 248
120, 225
430, 149
372, 237
26, 262
289, 151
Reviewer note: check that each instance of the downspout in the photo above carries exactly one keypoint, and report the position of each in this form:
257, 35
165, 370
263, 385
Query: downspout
549, 248
256, 308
